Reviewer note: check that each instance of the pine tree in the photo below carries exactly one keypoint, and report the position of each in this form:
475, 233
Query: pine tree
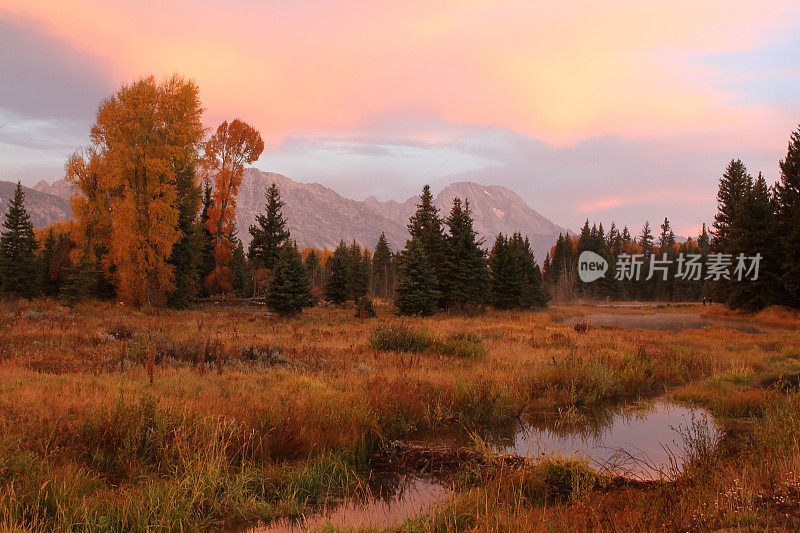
506, 275
242, 281
289, 288
314, 267
787, 193
81, 280
382, 269
533, 292
646, 239
337, 286
18, 249
359, 269
561, 272
755, 232
732, 187
667, 238
185, 255
416, 292
466, 283
270, 233
664, 289
426, 227
207, 260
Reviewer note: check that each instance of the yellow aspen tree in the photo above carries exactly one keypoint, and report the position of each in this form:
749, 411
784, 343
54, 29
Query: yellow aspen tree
142, 137
231, 147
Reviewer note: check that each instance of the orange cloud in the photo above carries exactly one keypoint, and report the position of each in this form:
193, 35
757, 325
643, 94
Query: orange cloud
559, 71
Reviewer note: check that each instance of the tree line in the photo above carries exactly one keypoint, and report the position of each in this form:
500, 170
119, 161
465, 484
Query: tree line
155, 203
752, 219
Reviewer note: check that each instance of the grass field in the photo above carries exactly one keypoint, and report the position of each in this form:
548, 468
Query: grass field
118, 419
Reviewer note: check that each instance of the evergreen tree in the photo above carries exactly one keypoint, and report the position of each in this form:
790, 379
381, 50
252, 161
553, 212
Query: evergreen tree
646, 239
732, 187
270, 233
44, 262
667, 238
382, 269
81, 280
337, 286
359, 269
425, 226
466, 283
314, 267
207, 260
18, 249
533, 292
416, 292
755, 232
185, 255
787, 193
242, 281
289, 288
561, 274
664, 289
506, 275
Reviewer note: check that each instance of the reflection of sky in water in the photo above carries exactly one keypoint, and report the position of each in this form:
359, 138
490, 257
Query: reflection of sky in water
634, 443
382, 509
660, 321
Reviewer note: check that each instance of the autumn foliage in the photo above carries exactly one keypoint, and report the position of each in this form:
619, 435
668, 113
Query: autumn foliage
125, 183
231, 147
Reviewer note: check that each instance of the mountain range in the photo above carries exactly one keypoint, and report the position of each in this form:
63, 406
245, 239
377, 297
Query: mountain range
319, 217
44, 207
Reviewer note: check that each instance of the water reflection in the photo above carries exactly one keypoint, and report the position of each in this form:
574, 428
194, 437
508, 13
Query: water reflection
635, 442
389, 502
642, 441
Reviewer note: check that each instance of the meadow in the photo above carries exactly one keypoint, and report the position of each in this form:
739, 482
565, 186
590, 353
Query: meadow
122, 419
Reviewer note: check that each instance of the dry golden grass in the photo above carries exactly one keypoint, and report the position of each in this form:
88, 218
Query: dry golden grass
250, 392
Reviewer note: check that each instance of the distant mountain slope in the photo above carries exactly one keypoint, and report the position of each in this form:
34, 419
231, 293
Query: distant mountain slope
58, 188
495, 209
317, 216
45, 209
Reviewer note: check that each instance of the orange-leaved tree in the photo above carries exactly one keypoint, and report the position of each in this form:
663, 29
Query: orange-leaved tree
231, 147
124, 186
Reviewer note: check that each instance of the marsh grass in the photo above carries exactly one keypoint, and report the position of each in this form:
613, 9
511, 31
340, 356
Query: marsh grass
277, 418
399, 338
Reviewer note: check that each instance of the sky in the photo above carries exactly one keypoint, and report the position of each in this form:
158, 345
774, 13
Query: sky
619, 110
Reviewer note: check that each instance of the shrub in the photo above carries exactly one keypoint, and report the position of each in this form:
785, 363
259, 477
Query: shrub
581, 327
399, 338
364, 308
120, 332
464, 345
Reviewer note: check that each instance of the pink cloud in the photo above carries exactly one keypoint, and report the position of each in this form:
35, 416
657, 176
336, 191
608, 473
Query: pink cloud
558, 71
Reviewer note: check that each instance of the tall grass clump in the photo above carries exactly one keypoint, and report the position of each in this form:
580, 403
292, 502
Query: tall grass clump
399, 338
462, 345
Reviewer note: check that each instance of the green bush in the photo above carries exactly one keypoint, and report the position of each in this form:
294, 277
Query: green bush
464, 345
399, 338
364, 308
